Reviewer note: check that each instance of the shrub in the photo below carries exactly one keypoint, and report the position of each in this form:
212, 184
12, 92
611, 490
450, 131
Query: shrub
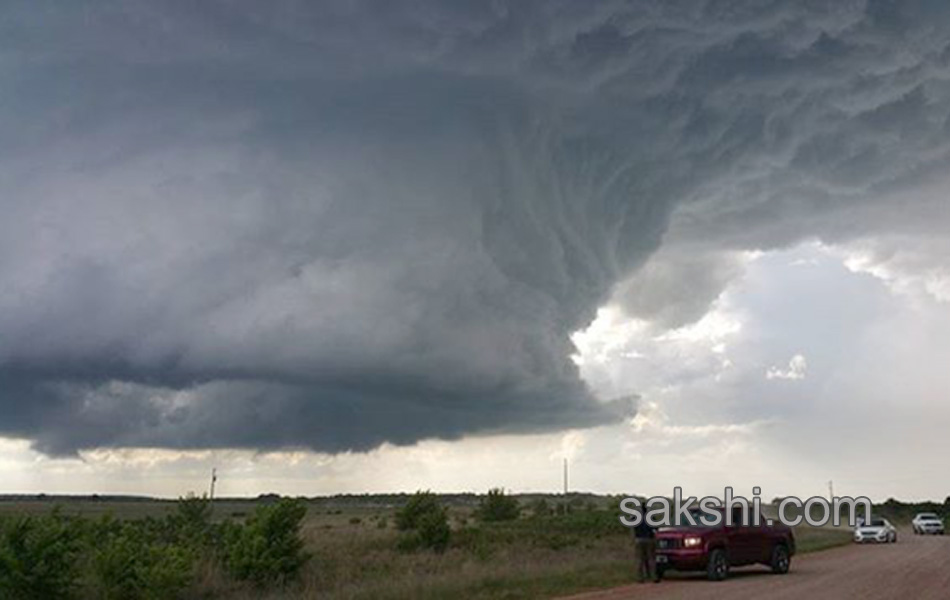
420, 504
434, 531
190, 525
193, 512
37, 558
268, 549
541, 508
426, 522
498, 506
58, 558
129, 566
409, 542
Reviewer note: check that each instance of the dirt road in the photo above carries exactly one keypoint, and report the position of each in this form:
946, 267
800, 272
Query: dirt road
916, 567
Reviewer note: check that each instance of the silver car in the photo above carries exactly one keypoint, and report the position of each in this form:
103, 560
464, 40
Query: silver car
927, 523
875, 530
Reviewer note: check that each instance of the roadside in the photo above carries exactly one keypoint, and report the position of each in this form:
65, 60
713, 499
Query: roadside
915, 567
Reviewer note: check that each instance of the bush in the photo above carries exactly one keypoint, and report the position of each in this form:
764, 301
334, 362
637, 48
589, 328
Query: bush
434, 531
58, 558
426, 521
420, 504
498, 506
130, 566
38, 558
268, 549
193, 512
541, 508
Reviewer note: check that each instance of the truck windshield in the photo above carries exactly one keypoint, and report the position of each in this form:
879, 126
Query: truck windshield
702, 519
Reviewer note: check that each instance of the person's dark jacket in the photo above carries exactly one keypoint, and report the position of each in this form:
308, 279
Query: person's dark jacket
644, 531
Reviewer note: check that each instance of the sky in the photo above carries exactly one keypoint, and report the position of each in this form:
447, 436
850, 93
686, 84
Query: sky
357, 246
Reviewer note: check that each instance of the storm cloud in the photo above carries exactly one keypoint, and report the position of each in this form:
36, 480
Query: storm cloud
339, 225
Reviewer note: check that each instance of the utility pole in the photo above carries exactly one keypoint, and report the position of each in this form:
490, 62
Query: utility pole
831, 491
565, 477
214, 479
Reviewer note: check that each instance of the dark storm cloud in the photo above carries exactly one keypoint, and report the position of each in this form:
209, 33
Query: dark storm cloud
339, 225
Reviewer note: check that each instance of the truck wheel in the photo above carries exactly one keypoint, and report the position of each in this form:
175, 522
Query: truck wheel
717, 568
780, 560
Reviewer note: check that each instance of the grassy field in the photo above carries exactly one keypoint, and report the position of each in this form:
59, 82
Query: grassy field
529, 558
355, 551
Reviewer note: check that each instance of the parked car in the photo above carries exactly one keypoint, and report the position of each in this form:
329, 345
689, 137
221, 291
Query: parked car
876, 530
927, 523
717, 548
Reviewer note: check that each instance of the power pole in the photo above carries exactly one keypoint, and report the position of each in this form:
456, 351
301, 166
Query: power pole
214, 479
831, 491
565, 477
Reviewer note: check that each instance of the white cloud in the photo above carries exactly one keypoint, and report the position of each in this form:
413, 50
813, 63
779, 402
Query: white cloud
797, 366
917, 267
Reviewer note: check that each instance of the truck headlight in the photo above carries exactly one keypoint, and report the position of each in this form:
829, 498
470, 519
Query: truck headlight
692, 542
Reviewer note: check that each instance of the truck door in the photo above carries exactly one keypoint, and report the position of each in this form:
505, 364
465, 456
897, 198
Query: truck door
745, 543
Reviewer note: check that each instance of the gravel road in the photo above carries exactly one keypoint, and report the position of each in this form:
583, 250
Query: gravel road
916, 567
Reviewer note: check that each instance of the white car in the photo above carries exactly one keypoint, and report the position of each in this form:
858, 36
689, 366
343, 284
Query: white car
875, 530
925, 523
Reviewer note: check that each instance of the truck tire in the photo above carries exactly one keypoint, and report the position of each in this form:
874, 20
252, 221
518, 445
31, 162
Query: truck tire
717, 568
781, 561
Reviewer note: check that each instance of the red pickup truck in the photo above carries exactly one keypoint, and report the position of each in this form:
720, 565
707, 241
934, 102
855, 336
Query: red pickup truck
716, 548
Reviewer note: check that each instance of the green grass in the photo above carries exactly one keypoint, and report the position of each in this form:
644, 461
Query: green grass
541, 584
814, 539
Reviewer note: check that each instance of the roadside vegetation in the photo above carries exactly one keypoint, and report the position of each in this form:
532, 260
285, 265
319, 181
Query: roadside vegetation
56, 556
904, 512
419, 546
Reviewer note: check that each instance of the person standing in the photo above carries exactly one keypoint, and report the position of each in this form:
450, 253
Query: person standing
644, 536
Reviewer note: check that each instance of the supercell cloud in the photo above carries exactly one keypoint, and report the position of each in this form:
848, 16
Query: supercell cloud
340, 225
